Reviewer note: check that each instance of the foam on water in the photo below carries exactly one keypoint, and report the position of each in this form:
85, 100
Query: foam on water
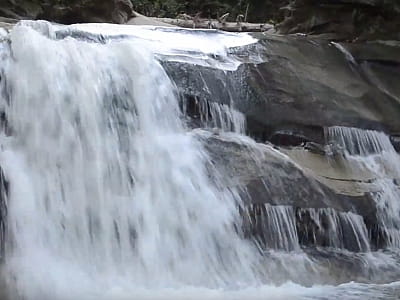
107, 189
203, 47
110, 197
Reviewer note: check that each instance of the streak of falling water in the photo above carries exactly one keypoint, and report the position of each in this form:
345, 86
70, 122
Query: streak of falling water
107, 190
358, 141
374, 151
222, 116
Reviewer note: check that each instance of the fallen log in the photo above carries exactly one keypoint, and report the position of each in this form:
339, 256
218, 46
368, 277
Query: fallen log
215, 24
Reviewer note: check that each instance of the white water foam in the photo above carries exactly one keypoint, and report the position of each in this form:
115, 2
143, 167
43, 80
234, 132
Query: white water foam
358, 141
374, 151
222, 116
109, 197
208, 48
108, 191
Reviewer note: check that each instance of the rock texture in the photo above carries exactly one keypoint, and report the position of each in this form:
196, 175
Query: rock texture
266, 178
18, 9
343, 19
68, 12
298, 86
290, 89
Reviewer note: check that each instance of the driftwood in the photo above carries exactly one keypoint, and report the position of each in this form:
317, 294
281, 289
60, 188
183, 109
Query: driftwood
215, 24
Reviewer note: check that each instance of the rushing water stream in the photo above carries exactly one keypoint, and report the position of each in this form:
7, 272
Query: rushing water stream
110, 194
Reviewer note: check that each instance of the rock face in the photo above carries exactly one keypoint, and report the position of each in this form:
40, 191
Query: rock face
20, 9
334, 20
68, 12
299, 86
344, 19
291, 90
302, 189
274, 186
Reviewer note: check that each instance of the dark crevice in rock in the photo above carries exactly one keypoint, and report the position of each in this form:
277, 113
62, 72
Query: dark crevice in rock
4, 191
395, 139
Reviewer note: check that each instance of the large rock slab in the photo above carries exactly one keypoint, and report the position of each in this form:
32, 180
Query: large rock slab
69, 12
19, 9
344, 19
277, 187
291, 88
265, 174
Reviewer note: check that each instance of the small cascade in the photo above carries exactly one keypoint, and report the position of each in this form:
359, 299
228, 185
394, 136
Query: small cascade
213, 115
388, 197
273, 226
107, 188
388, 208
286, 228
345, 52
357, 141
328, 228
108, 192
374, 151
223, 116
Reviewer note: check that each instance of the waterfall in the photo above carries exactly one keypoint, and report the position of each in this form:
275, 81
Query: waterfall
285, 228
107, 189
358, 141
222, 116
374, 152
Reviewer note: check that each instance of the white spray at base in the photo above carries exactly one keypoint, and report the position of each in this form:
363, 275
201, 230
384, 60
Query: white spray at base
110, 198
108, 192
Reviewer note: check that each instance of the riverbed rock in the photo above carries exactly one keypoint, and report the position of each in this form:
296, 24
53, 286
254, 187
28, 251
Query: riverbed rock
290, 88
297, 187
343, 19
68, 12
20, 9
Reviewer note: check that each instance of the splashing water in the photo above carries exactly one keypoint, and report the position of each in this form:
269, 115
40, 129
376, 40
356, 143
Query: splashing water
358, 141
110, 197
108, 189
374, 151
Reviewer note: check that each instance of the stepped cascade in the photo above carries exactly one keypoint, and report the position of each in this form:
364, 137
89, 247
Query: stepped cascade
134, 166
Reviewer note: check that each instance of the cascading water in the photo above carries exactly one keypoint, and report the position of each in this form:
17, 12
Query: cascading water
108, 195
107, 188
215, 115
373, 151
358, 141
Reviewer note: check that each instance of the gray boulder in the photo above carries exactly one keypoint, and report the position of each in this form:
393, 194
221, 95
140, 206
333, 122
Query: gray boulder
298, 86
68, 12
343, 19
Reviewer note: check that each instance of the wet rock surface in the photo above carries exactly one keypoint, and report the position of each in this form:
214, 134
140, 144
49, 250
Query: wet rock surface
69, 12
309, 210
290, 91
343, 19
291, 88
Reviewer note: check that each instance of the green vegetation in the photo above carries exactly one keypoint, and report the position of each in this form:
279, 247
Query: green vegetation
257, 10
